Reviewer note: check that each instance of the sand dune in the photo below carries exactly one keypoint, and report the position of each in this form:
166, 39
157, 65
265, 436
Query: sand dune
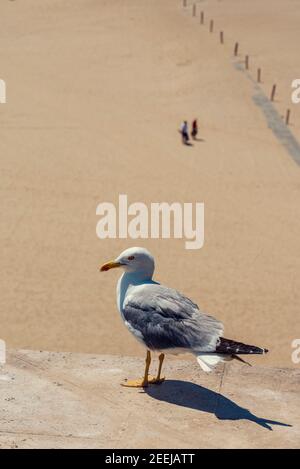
96, 92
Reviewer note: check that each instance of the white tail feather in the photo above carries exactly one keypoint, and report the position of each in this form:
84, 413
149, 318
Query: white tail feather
208, 361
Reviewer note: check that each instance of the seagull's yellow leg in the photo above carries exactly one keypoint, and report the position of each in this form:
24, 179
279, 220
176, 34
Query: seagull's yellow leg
141, 383
159, 379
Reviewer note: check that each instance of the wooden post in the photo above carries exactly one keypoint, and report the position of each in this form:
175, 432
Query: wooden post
202, 17
194, 9
258, 75
273, 93
247, 62
221, 37
288, 115
236, 49
211, 26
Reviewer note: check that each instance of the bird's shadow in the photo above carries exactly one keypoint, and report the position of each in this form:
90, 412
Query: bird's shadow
193, 396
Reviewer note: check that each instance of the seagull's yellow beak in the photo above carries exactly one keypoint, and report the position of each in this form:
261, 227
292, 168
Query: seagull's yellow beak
109, 265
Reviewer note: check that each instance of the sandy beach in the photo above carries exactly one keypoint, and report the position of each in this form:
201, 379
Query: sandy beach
96, 91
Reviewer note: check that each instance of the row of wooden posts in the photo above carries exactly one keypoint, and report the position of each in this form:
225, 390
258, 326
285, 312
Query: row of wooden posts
236, 53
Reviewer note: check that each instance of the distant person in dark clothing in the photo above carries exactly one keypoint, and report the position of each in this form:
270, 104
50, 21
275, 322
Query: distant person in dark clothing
184, 130
194, 129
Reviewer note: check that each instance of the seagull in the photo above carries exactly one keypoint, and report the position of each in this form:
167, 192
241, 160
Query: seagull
165, 321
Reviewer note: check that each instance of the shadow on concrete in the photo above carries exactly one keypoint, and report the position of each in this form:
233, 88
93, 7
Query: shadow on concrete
193, 396
277, 124
274, 120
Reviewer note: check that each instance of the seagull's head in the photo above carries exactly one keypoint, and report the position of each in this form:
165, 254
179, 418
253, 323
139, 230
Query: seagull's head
133, 260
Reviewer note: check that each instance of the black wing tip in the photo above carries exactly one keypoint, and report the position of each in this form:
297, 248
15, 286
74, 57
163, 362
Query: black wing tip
253, 350
262, 351
229, 346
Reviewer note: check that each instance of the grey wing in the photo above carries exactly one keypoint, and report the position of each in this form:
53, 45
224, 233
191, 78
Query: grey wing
165, 319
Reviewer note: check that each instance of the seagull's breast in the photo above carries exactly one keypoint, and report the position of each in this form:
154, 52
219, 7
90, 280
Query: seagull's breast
124, 292
127, 288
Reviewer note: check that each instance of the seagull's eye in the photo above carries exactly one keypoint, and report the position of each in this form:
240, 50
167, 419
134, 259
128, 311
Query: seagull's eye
130, 258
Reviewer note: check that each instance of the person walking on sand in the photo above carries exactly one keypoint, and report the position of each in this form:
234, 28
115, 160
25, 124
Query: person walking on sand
194, 129
184, 130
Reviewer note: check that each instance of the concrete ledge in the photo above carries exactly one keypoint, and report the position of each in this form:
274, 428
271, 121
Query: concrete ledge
66, 400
